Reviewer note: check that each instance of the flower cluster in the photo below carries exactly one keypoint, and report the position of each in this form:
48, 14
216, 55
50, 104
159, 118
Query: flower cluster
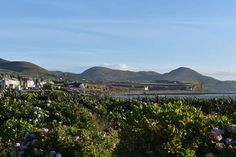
223, 140
31, 145
21, 149
39, 114
216, 135
54, 154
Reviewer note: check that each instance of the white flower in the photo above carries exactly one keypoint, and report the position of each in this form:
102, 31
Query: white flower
218, 138
220, 146
216, 134
76, 138
228, 141
114, 146
36, 107
17, 144
58, 155
45, 130
36, 121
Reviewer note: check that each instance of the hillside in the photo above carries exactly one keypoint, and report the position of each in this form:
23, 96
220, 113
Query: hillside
180, 74
23, 68
3, 61
187, 74
106, 74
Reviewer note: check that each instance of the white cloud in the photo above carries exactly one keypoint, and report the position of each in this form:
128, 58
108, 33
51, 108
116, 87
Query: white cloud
125, 67
119, 66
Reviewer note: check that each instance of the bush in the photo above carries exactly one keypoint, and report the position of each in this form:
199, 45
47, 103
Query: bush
168, 130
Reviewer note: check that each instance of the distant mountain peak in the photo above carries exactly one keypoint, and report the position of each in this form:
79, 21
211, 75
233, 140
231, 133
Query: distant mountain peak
182, 74
183, 69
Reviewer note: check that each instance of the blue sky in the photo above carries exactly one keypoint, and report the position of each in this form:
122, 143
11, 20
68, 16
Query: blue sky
158, 35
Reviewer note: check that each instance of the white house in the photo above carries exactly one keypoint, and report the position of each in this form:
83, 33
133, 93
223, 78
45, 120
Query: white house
146, 88
82, 87
10, 83
30, 84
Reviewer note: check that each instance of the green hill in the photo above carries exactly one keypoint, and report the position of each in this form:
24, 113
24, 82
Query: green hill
187, 74
182, 74
106, 74
23, 68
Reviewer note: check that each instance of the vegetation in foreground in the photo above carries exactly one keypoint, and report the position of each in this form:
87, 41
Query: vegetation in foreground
56, 123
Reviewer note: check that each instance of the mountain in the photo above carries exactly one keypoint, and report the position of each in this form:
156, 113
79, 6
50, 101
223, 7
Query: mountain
23, 68
180, 74
3, 60
187, 74
106, 74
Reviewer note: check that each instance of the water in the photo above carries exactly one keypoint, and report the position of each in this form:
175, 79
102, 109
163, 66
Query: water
200, 96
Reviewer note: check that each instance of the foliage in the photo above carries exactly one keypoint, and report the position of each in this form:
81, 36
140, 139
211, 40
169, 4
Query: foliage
168, 130
51, 121
54, 123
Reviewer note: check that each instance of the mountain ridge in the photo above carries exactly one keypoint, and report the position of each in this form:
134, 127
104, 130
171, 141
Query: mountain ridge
107, 75
23, 68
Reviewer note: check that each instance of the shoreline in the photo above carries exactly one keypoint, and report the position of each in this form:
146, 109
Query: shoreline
173, 93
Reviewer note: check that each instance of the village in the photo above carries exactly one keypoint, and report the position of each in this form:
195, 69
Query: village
25, 83
19, 83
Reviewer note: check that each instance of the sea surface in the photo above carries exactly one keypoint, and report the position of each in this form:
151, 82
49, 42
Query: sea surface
200, 96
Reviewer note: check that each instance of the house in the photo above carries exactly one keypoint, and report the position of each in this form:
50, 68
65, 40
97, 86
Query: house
10, 83
30, 84
27, 83
146, 88
23, 82
82, 87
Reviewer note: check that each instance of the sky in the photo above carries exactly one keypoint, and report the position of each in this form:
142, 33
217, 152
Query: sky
157, 35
